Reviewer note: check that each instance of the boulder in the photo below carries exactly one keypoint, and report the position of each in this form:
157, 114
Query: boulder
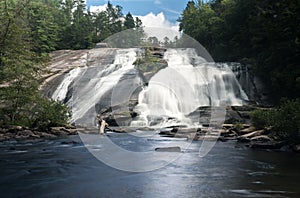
168, 149
166, 132
232, 116
228, 133
58, 131
27, 134
14, 129
227, 126
69, 131
46, 135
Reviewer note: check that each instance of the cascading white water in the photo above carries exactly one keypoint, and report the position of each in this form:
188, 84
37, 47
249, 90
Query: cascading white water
61, 92
187, 83
91, 84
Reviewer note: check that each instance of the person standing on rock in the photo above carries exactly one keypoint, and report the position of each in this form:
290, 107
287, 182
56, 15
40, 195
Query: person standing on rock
102, 124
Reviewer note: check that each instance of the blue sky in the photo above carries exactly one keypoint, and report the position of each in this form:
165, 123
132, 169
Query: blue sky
170, 8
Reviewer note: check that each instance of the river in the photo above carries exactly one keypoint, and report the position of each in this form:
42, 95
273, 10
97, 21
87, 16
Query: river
65, 168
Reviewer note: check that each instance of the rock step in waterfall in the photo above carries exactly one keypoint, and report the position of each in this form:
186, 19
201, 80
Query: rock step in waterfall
187, 83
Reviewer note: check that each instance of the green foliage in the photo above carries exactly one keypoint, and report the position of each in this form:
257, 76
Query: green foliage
129, 21
20, 68
29, 29
262, 33
149, 63
285, 121
47, 113
262, 118
44, 30
110, 22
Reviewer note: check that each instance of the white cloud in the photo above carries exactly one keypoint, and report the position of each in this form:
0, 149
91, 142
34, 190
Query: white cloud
155, 24
158, 2
97, 9
159, 26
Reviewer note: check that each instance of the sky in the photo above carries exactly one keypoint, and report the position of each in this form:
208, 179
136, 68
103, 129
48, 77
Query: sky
153, 13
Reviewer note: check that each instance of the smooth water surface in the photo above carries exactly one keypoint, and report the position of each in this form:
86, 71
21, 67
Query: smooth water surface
65, 168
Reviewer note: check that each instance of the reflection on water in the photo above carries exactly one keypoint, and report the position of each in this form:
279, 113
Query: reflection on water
65, 168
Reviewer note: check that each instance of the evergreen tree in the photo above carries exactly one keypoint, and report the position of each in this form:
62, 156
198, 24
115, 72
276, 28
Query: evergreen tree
129, 21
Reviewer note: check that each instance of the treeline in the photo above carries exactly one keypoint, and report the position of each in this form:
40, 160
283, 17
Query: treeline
67, 24
263, 33
29, 30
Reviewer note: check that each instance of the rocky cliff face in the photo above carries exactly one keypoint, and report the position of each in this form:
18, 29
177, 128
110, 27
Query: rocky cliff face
251, 84
63, 61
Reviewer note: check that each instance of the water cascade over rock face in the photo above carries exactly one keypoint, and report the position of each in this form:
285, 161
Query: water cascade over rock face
187, 83
171, 96
87, 90
61, 92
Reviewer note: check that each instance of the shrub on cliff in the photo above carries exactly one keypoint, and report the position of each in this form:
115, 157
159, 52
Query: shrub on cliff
285, 120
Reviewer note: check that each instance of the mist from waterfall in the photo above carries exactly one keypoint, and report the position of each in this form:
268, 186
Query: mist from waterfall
187, 83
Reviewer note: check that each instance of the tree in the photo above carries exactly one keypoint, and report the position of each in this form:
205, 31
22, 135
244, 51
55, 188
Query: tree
129, 21
44, 29
101, 25
114, 15
111, 21
20, 65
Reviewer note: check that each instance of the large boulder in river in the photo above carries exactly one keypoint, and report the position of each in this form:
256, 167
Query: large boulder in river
168, 149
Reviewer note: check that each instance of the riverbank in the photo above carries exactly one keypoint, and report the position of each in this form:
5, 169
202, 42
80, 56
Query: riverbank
243, 134
23, 133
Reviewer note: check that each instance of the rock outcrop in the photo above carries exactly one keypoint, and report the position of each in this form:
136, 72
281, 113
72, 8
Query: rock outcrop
23, 133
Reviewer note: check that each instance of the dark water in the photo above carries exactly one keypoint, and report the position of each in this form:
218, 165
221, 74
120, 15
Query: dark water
65, 168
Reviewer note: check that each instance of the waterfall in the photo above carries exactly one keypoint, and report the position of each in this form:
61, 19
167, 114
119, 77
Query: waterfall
187, 83
90, 84
172, 94
61, 92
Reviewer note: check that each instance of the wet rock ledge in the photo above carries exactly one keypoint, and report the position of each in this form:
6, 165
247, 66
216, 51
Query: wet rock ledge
23, 133
241, 133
